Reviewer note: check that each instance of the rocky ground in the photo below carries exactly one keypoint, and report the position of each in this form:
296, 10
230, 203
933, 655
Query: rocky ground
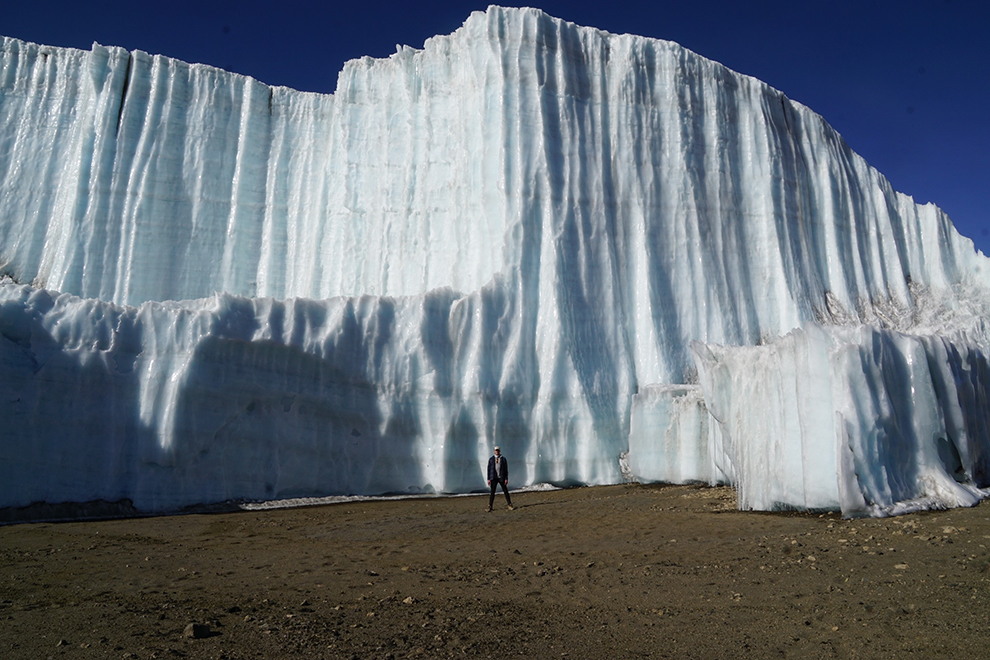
612, 572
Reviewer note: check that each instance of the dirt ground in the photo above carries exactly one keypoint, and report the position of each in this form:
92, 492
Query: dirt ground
626, 571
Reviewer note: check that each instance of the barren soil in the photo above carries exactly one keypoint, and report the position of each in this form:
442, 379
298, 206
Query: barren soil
612, 572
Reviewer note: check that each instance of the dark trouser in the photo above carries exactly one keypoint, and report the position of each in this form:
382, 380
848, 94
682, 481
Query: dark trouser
491, 500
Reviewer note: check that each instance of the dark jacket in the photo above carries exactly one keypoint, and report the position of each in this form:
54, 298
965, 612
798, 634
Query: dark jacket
492, 474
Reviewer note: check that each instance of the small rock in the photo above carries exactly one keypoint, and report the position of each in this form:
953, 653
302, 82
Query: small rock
62, 642
408, 600
196, 631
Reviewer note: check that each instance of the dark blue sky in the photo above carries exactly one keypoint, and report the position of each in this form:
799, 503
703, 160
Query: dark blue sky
907, 83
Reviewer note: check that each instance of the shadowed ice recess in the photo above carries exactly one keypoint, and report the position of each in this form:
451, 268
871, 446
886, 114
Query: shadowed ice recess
612, 257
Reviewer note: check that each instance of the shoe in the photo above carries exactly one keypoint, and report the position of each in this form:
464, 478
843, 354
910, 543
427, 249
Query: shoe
488, 509
511, 508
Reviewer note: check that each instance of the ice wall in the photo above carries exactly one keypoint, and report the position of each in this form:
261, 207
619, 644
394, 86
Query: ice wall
868, 421
674, 439
142, 178
173, 404
511, 236
225, 398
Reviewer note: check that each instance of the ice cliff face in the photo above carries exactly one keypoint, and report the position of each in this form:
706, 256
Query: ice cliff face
510, 237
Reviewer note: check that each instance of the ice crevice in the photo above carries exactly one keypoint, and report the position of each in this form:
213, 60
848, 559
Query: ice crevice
605, 253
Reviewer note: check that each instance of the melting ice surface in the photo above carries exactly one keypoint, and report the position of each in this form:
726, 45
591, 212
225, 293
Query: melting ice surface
611, 256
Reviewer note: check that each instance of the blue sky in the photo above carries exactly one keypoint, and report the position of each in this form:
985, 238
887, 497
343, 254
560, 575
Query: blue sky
906, 83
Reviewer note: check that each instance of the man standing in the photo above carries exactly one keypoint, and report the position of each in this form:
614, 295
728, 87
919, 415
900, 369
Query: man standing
498, 473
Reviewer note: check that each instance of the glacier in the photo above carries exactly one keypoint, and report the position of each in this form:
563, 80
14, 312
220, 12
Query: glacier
607, 254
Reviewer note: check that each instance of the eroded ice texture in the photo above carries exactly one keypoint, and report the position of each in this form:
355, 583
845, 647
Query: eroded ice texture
511, 236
